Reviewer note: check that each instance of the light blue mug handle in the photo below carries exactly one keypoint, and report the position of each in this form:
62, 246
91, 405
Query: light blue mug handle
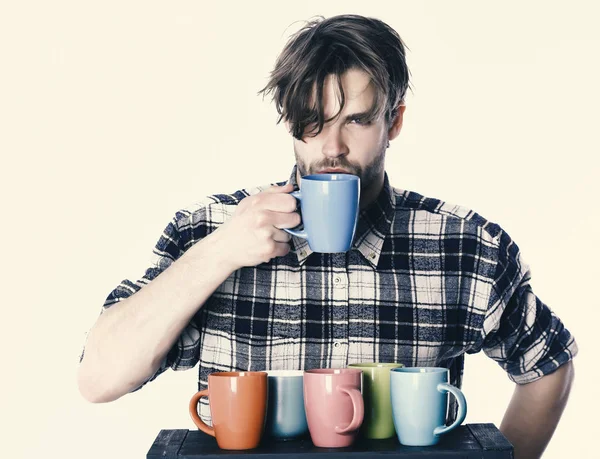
462, 408
297, 232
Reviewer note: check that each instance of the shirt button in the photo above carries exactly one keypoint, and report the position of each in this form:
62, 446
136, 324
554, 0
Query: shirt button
337, 279
372, 255
336, 344
302, 253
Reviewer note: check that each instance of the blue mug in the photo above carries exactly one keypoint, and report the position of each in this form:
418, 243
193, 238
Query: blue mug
330, 206
420, 404
286, 418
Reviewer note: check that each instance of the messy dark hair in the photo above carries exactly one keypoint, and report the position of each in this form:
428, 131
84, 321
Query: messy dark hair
331, 47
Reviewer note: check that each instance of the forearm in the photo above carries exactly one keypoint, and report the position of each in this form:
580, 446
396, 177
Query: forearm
534, 412
131, 338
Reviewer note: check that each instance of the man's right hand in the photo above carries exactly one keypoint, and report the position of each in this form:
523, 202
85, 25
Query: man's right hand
254, 235
131, 338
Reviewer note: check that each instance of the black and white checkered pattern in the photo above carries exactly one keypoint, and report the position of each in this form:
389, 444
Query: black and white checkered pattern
425, 283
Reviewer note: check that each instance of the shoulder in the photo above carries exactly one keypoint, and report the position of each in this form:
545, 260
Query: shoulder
432, 212
215, 209
463, 232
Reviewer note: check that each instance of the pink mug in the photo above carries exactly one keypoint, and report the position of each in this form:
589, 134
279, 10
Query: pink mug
334, 406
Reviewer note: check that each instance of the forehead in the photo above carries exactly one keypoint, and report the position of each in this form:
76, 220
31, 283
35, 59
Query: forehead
358, 90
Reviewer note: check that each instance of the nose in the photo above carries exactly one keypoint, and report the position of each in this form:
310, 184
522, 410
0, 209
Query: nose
334, 145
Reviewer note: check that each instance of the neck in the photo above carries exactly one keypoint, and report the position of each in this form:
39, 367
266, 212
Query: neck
369, 195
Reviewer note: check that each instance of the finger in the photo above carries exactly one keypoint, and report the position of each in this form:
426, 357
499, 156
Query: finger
282, 249
281, 236
287, 188
282, 220
282, 203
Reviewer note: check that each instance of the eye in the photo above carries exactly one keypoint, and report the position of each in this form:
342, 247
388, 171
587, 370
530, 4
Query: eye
359, 121
310, 128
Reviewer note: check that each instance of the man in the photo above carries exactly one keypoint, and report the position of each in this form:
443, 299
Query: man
425, 283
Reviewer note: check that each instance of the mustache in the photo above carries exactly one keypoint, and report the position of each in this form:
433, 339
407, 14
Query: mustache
337, 164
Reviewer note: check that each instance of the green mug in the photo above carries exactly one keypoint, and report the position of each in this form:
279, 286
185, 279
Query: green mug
378, 420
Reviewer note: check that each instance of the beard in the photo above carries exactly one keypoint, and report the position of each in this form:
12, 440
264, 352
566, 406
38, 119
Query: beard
369, 174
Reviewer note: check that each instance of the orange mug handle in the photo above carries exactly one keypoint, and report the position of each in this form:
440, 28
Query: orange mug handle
194, 413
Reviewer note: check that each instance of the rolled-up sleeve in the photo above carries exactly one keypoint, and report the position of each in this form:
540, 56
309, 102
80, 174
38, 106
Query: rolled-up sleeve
175, 239
520, 332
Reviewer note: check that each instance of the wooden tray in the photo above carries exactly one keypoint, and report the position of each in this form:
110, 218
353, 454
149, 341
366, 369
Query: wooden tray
470, 441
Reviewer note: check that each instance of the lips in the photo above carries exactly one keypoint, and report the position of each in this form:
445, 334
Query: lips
333, 171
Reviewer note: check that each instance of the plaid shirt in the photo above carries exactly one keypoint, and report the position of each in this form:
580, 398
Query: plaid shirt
425, 283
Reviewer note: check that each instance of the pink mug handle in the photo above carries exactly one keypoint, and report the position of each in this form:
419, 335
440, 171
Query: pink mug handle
359, 409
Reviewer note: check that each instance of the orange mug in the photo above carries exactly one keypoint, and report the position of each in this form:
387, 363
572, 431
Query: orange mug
238, 407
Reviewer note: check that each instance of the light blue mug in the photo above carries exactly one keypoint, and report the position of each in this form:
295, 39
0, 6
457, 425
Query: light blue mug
420, 404
330, 206
286, 418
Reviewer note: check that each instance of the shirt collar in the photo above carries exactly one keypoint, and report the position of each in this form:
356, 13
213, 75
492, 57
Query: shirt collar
374, 223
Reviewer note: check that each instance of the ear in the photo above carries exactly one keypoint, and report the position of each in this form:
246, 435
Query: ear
397, 123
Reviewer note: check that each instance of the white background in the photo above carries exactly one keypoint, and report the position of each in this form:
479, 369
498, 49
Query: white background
115, 114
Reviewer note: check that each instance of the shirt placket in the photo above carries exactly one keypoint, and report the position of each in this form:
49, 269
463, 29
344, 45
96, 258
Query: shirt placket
340, 298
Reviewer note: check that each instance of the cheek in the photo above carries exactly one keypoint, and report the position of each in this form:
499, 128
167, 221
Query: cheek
305, 149
365, 143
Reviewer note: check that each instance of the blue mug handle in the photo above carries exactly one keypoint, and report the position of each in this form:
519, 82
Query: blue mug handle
297, 232
462, 408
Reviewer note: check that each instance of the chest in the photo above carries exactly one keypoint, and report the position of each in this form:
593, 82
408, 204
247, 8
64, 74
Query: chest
344, 297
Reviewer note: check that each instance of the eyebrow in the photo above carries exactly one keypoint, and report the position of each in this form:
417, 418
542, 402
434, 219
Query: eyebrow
351, 116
